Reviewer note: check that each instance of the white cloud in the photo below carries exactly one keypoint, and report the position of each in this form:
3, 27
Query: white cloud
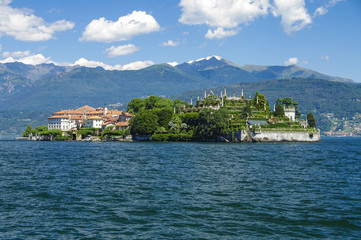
93, 64
34, 59
23, 25
126, 27
326, 58
5, 2
220, 33
320, 11
170, 43
294, 14
131, 66
324, 9
137, 65
291, 61
121, 50
16, 54
221, 14
225, 17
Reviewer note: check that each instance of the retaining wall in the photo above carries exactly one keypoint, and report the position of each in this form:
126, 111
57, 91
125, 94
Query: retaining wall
285, 136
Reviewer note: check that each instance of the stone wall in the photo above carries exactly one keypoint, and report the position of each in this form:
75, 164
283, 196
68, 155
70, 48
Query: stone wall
285, 136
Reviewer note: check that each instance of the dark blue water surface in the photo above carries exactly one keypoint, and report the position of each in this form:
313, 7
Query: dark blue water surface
84, 190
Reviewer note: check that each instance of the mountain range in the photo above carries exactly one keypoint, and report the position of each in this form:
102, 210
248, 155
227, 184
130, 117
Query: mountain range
49, 87
32, 92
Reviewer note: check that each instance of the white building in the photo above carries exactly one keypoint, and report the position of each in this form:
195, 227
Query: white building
63, 123
290, 113
86, 116
93, 122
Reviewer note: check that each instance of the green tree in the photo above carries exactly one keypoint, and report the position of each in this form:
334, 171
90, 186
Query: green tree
191, 119
279, 101
27, 131
126, 132
287, 101
107, 130
164, 116
145, 123
39, 129
116, 133
311, 120
247, 111
53, 132
179, 107
197, 104
163, 103
178, 101
279, 111
150, 102
260, 101
136, 105
208, 102
84, 132
212, 123
56, 132
175, 124
160, 130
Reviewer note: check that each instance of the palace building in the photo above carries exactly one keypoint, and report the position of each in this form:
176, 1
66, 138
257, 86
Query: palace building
87, 116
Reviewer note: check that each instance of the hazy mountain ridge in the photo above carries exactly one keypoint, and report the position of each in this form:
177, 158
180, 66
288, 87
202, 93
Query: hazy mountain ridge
35, 72
19, 75
258, 72
49, 87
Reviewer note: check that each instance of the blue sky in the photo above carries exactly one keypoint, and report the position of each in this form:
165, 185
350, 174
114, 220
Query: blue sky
323, 35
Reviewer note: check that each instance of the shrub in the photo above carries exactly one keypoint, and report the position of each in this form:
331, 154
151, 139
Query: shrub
61, 138
277, 125
182, 137
126, 132
84, 132
160, 137
116, 133
53, 132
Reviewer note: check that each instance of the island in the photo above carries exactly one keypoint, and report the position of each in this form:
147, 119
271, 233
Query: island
208, 118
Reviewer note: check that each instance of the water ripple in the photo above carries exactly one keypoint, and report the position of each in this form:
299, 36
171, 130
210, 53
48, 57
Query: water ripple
84, 190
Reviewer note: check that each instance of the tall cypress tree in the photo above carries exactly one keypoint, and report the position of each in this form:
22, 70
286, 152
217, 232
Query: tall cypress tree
311, 120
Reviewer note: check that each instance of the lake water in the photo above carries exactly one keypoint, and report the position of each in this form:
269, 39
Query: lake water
85, 190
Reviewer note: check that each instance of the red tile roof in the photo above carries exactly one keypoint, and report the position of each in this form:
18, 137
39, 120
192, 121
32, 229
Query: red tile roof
86, 107
90, 112
57, 116
122, 124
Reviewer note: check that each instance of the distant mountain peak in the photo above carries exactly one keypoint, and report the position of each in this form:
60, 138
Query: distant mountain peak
206, 58
204, 64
